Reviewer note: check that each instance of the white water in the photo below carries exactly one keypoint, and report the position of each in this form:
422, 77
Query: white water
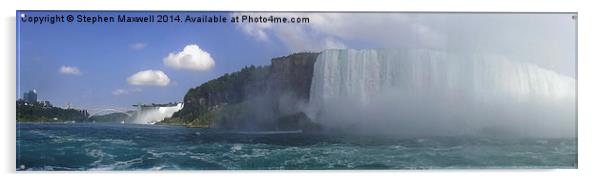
154, 115
438, 91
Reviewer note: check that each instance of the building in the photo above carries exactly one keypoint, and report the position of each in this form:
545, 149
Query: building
31, 96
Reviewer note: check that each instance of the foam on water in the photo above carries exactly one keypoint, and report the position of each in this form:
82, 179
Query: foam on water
180, 148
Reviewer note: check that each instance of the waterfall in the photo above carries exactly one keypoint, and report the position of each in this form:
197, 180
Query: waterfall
156, 114
429, 85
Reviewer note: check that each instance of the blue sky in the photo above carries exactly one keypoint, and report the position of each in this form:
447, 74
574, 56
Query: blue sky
88, 65
106, 56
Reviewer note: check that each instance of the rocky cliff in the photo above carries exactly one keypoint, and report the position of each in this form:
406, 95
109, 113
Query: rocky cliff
292, 74
252, 98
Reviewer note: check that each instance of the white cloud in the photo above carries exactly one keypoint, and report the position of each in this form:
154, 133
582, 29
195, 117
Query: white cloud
138, 46
120, 92
334, 44
390, 30
190, 58
547, 40
69, 70
299, 38
149, 77
256, 30
296, 37
126, 91
337, 30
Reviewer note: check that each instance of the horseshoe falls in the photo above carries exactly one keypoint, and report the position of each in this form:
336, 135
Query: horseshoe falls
431, 93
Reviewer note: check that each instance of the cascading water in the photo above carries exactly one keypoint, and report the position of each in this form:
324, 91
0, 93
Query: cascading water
431, 93
156, 114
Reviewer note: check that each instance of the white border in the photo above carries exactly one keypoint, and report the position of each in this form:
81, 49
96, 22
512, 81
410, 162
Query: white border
589, 79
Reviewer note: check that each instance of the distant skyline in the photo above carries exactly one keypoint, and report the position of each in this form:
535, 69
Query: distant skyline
116, 65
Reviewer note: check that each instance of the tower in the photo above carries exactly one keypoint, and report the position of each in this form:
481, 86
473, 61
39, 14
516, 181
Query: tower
31, 96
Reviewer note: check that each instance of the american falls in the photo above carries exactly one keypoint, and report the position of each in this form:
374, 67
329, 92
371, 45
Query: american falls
152, 115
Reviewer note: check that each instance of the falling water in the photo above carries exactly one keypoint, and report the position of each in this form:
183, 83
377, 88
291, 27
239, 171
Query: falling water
156, 114
438, 91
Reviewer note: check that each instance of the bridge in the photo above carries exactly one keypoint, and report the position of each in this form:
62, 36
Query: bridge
109, 111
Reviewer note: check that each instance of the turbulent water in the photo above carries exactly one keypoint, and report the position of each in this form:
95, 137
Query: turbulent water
422, 92
152, 147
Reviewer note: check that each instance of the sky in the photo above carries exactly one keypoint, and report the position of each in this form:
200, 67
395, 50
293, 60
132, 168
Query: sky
115, 65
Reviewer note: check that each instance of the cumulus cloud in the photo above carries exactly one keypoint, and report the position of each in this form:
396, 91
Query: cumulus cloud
138, 46
190, 58
69, 70
126, 91
149, 77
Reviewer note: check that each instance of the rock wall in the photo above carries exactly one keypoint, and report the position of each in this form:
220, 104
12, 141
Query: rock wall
292, 74
251, 96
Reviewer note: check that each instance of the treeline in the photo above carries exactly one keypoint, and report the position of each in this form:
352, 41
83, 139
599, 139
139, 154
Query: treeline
112, 117
44, 111
230, 88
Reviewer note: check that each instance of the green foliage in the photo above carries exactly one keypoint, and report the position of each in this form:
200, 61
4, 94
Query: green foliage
44, 111
230, 116
203, 121
112, 117
227, 89
249, 98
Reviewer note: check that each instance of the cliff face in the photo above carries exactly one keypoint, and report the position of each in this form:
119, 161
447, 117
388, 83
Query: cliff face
231, 88
293, 74
254, 97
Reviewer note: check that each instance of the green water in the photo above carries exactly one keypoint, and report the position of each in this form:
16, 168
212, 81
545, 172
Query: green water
149, 147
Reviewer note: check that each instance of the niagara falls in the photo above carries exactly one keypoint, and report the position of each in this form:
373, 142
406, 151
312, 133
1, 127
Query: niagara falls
425, 92
152, 114
307, 91
391, 109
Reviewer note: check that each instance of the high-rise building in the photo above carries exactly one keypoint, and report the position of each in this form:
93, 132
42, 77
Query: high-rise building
31, 96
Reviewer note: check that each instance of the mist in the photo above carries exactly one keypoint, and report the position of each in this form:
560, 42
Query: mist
156, 114
421, 93
392, 114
